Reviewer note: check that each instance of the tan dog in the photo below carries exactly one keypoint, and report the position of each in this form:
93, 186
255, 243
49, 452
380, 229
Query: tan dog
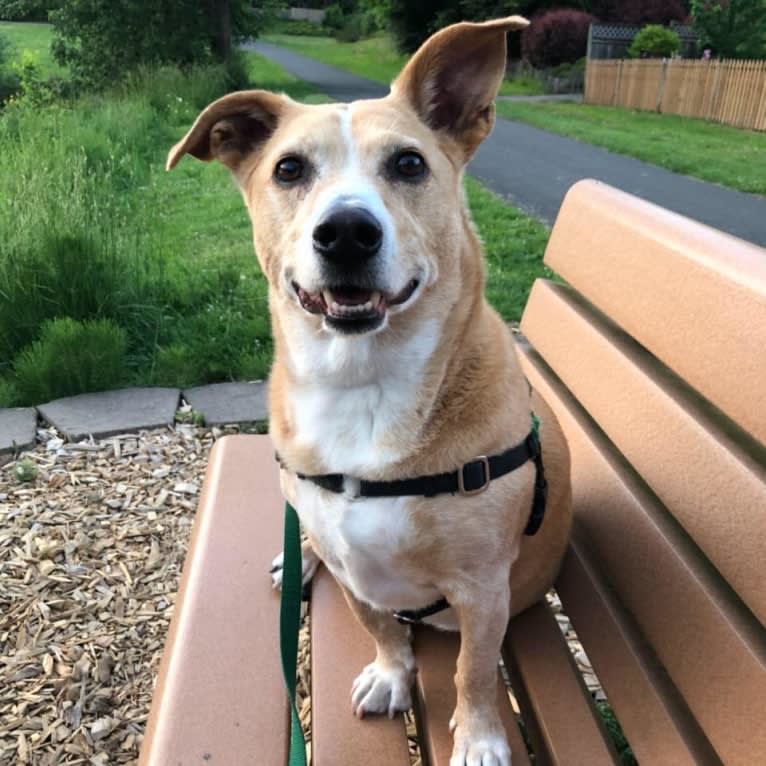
390, 364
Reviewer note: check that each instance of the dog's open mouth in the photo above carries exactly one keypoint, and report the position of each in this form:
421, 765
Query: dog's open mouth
353, 309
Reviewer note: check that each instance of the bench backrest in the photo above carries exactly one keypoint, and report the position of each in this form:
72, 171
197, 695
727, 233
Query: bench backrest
654, 359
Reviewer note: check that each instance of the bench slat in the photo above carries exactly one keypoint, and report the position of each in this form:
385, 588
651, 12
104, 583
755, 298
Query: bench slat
435, 694
683, 290
718, 491
656, 721
220, 696
340, 648
680, 603
550, 689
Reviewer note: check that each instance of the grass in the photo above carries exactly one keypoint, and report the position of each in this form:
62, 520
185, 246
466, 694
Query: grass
35, 38
149, 277
375, 58
705, 150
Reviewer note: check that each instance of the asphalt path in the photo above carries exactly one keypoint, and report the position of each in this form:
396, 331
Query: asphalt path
533, 169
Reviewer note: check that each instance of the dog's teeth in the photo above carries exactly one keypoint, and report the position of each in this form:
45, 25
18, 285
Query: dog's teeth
334, 306
327, 295
375, 299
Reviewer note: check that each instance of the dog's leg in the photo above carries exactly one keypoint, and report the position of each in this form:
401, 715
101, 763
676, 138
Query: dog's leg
479, 736
309, 563
384, 685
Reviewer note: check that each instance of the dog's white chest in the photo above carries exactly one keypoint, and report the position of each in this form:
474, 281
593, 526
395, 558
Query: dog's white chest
363, 542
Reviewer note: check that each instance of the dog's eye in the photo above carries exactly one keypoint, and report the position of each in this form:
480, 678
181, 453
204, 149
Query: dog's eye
410, 165
289, 170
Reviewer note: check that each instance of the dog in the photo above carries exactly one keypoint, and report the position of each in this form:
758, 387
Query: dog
390, 365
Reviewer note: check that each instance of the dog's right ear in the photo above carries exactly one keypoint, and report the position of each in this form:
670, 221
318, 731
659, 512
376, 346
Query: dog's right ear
231, 128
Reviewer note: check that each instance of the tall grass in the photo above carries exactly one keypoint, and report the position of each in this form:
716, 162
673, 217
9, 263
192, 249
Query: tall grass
86, 234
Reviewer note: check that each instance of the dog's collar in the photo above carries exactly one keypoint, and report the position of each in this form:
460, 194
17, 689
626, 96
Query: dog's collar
471, 479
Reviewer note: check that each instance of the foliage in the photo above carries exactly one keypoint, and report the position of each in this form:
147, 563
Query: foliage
102, 40
616, 734
732, 28
654, 41
25, 471
556, 37
649, 11
71, 357
9, 81
26, 10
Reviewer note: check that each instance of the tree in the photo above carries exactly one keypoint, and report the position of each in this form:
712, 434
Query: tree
103, 40
556, 37
650, 11
732, 28
654, 41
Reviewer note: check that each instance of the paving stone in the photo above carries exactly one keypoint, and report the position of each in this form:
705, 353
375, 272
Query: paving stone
222, 403
111, 412
18, 426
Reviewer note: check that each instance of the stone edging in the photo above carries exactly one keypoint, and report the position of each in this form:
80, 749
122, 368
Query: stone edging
131, 409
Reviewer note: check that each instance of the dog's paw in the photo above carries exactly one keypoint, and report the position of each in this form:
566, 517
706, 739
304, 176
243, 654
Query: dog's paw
309, 563
379, 689
487, 748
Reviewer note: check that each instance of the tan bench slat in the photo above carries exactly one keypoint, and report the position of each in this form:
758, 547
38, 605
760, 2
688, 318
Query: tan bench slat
220, 695
713, 650
695, 297
656, 721
712, 486
572, 734
340, 649
435, 694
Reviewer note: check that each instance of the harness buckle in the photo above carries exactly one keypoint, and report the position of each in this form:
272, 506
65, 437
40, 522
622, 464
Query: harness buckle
484, 461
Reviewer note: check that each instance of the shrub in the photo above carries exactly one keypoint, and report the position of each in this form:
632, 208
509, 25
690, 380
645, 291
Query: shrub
71, 357
355, 27
334, 18
26, 10
556, 37
732, 29
654, 41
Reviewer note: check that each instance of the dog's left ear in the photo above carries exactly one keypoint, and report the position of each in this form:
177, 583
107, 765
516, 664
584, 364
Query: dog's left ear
454, 77
231, 128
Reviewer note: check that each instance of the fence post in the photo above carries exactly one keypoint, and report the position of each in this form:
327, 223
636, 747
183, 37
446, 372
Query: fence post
616, 97
661, 88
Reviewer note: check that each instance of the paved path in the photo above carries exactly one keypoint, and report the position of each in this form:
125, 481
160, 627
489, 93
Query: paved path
533, 169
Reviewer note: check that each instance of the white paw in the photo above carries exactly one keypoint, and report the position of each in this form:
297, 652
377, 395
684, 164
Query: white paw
487, 750
309, 564
379, 689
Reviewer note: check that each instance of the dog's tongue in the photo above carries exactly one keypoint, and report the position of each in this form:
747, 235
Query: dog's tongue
350, 296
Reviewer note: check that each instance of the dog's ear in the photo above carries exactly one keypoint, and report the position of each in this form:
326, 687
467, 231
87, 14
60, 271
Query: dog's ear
231, 128
454, 77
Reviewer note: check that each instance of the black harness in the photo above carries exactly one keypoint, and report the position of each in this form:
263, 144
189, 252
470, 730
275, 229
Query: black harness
472, 478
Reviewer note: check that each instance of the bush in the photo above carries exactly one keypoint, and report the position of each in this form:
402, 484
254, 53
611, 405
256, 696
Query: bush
732, 29
356, 27
556, 37
101, 40
654, 41
334, 18
69, 358
26, 10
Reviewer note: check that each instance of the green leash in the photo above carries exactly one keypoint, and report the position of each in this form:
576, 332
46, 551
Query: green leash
289, 625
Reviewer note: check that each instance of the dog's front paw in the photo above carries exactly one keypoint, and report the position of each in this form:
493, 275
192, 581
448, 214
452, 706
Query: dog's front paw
380, 689
479, 745
309, 563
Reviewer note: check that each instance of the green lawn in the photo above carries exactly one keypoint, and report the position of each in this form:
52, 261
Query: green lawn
375, 58
718, 153
35, 38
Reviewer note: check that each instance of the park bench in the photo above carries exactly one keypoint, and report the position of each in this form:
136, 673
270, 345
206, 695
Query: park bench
653, 356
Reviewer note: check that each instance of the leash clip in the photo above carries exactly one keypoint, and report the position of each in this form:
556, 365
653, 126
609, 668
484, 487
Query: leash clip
483, 460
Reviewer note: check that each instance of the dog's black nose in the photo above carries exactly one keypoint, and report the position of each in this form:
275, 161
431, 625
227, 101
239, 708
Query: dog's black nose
348, 234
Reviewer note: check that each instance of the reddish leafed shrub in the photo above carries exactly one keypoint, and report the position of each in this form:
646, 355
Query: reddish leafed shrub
650, 11
556, 37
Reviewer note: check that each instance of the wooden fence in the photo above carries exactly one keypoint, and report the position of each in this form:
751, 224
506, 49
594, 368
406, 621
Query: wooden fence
731, 92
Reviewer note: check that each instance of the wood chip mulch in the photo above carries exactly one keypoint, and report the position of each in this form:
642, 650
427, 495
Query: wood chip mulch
91, 550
